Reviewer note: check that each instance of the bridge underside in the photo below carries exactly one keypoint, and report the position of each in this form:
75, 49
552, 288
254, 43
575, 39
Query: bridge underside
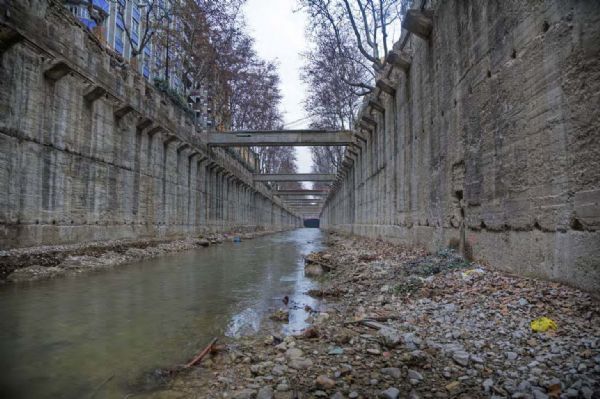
280, 138
295, 177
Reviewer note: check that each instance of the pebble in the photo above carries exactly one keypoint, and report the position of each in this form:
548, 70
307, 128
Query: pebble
477, 359
282, 387
461, 357
244, 394
572, 393
294, 353
511, 355
414, 395
390, 337
278, 370
324, 382
353, 395
414, 376
539, 394
523, 302
265, 392
393, 372
487, 385
300, 363
390, 393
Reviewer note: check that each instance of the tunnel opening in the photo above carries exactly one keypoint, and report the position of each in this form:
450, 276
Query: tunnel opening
312, 223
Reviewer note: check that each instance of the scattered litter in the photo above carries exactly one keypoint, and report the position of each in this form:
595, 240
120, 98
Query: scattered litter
468, 274
543, 324
336, 351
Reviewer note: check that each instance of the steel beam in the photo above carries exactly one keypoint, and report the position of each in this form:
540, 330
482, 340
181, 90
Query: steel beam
301, 192
300, 202
280, 138
319, 197
321, 177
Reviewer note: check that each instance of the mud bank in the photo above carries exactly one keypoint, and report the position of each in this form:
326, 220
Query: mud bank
35, 263
406, 323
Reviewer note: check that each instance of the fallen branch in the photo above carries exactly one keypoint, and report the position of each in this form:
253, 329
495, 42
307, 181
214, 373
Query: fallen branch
376, 318
371, 323
201, 355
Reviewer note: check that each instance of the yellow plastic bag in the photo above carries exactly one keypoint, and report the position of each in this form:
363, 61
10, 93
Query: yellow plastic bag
543, 324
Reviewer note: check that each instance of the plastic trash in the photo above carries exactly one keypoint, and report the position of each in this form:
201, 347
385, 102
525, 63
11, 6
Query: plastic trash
336, 351
543, 324
467, 274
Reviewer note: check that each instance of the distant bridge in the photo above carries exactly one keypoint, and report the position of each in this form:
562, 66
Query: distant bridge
254, 138
300, 201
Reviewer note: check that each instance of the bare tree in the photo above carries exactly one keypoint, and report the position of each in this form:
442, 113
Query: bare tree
357, 33
331, 102
351, 39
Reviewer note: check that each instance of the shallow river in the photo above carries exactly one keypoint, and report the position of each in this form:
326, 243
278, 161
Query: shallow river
102, 335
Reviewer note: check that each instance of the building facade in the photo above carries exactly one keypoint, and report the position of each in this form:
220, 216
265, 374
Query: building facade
121, 25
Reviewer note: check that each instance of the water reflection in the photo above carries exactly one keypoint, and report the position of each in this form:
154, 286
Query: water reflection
67, 337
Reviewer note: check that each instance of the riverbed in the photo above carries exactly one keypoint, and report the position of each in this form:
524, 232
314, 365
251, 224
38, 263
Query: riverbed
106, 334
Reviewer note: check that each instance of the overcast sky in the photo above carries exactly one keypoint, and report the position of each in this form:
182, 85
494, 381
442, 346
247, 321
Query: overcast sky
279, 33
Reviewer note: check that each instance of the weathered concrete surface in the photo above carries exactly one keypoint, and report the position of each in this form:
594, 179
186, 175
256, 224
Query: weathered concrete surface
90, 151
491, 141
280, 138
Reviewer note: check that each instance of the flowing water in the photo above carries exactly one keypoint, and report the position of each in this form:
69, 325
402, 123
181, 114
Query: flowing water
101, 335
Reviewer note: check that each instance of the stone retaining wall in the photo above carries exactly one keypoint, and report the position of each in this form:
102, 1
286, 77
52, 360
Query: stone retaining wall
489, 141
91, 151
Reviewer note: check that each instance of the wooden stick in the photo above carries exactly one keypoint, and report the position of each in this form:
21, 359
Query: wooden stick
377, 318
201, 355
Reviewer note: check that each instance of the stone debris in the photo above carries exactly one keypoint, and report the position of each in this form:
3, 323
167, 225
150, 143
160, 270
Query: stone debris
404, 323
37, 263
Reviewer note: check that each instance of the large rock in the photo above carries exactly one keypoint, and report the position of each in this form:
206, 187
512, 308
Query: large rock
390, 337
324, 382
390, 393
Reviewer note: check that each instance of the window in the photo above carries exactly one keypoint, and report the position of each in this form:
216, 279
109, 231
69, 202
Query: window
119, 20
135, 28
119, 39
135, 13
103, 4
135, 25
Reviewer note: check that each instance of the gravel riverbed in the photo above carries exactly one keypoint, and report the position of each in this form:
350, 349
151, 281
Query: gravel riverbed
403, 323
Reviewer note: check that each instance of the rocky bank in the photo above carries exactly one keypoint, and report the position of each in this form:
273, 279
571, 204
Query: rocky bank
403, 323
37, 263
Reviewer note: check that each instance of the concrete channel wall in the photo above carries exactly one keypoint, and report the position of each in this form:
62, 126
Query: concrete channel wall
489, 142
91, 151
